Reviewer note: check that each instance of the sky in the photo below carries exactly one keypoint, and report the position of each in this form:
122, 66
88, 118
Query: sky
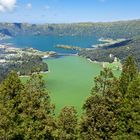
68, 11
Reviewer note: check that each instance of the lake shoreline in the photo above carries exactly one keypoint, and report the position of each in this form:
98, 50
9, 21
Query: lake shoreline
42, 72
107, 64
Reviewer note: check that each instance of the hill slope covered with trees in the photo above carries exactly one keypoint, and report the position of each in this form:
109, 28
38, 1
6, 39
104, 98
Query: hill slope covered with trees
121, 52
120, 29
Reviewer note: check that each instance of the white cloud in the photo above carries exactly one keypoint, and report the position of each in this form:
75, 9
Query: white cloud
29, 6
7, 5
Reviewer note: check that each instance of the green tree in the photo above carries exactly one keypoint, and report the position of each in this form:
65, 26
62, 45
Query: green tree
67, 124
37, 111
129, 73
9, 100
129, 119
103, 82
99, 121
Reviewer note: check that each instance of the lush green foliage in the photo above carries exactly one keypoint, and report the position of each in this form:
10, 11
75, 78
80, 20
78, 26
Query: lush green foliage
9, 102
100, 120
110, 113
129, 73
36, 110
29, 65
112, 110
66, 124
26, 111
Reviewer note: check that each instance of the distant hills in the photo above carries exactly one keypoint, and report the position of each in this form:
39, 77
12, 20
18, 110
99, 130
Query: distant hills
116, 30
120, 29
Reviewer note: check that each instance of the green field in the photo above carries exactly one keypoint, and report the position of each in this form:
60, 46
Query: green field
70, 80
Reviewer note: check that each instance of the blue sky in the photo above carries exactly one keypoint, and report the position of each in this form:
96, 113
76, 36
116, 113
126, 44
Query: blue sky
68, 11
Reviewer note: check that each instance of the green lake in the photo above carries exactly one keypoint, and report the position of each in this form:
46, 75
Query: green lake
70, 80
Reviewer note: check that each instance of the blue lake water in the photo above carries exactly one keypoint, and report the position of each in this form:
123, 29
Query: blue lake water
48, 43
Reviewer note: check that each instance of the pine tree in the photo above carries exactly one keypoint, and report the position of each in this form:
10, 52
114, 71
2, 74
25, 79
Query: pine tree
129, 73
103, 82
133, 99
130, 113
9, 100
67, 124
37, 111
99, 121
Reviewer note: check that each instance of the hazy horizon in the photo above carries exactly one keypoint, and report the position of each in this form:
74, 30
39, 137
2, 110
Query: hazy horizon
125, 20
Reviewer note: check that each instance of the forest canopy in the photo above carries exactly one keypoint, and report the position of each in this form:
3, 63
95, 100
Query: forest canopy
110, 113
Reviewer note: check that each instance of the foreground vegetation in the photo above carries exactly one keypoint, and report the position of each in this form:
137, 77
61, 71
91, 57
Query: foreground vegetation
111, 112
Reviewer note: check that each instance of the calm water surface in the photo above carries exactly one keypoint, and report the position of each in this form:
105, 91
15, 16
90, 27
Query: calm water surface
48, 43
70, 80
